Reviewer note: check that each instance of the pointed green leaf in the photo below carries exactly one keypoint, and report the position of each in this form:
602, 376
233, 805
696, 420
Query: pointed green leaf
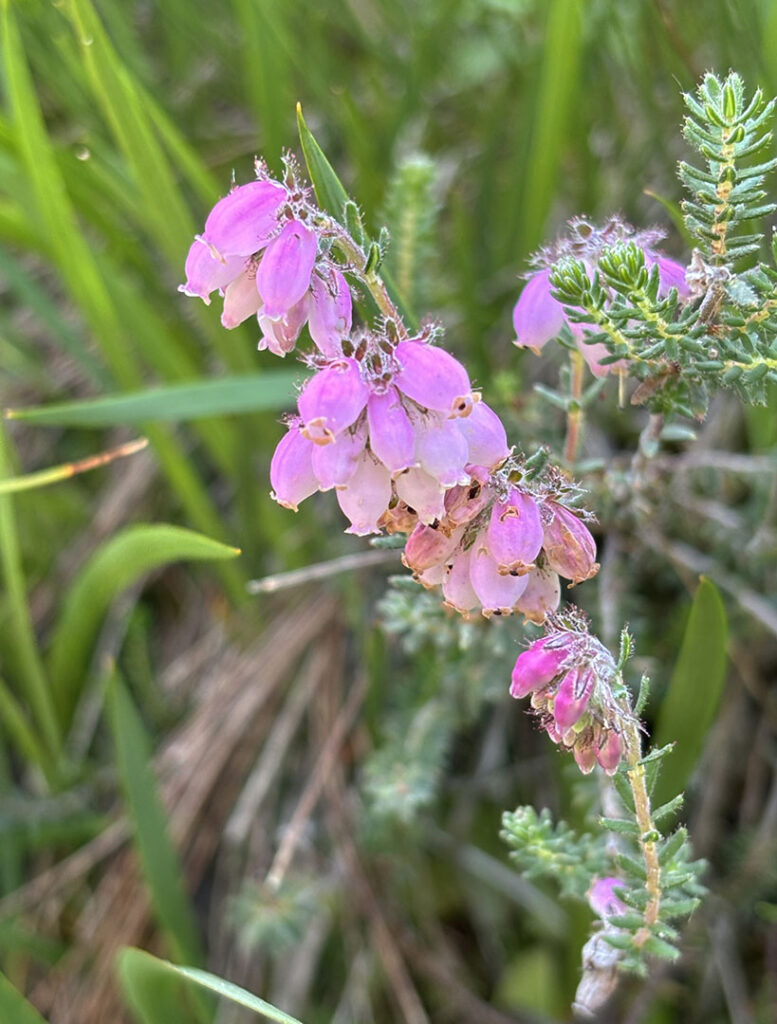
158, 857
14, 1007
124, 559
224, 396
135, 964
694, 693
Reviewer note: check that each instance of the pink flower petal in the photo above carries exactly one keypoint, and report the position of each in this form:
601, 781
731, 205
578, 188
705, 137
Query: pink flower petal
457, 588
280, 336
542, 595
241, 299
335, 464
497, 593
572, 697
291, 470
366, 497
427, 546
205, 273
485, 436
537, 316
332, 400
330, 312
392, 438
433, 378
537, 666
442, 450
242, 222
422, 493
515, 533
284, 272
570, 549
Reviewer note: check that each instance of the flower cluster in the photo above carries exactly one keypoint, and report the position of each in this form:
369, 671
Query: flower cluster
383, 425
538, 317
501, 546
570, 676
263, 252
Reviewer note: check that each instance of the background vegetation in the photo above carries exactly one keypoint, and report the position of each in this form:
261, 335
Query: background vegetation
274, 786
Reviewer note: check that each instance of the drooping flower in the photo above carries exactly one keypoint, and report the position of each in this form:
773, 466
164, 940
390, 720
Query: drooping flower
570, 677
259, 250
538, 317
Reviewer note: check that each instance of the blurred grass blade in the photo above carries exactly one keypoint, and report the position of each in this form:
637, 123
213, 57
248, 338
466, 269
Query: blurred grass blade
44, 477
554, 100
158, 857
14, 1008
332, 197
688, 710
675, 215
132, 960
121, 561
225, 396
19, 730
156, 995
31, 673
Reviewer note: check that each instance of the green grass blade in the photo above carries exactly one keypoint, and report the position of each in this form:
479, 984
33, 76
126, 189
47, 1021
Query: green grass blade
158, 857
121, 561
553, 107
134, 960
156, 995
694, 693
37, 689
225, 396
14, 1008
19, 730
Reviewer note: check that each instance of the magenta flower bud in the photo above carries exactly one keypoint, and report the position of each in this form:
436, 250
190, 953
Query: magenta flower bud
485, 436
291, 470
427, 546
433, 378
241, 299
206, 272
569, 547
392, 437
608, 751
332, 400
602, 898
456, 585
280, 336
542, 595
242, 222
572, 697
536, 667
335, 464
537, 316
422, 493
284, 272
366, 496
515, 533
330, 312
442, 451
496, 592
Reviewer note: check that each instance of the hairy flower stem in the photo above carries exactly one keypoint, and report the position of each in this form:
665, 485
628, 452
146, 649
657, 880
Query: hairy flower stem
372, 281
648, 832
575, 409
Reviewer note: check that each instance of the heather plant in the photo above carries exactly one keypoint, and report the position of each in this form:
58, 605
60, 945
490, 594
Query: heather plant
334, 797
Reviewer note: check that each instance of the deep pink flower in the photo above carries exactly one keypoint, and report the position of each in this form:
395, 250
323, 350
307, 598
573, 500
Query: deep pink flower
284, 273
537, 316
433, 378
537, 666
572, 696
515, 533
243, 222
332, 400
392, 436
